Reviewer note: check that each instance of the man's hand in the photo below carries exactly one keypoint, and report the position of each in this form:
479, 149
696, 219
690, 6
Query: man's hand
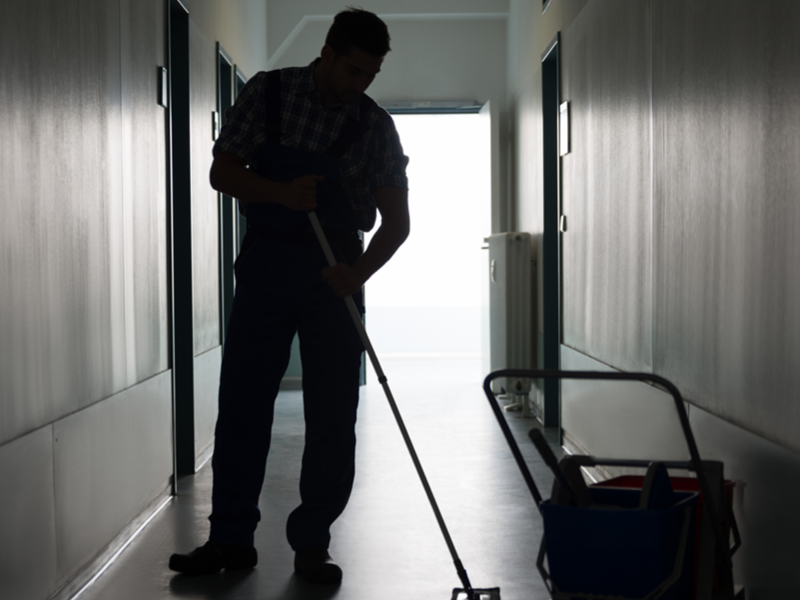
392, 203
230, 175
301, 193
343, 279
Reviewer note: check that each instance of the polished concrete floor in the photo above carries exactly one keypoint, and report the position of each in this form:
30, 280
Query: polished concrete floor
387, 541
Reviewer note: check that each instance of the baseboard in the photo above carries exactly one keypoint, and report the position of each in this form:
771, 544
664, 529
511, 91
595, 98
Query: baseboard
204, 456
591, 474
80, 580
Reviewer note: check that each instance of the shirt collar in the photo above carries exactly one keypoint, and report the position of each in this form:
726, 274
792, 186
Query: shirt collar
307, 86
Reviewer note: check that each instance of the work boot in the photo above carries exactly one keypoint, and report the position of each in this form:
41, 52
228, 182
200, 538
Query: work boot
315, 565
213, 557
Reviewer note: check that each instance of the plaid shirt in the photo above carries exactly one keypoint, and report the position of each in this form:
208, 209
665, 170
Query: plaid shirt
376, 159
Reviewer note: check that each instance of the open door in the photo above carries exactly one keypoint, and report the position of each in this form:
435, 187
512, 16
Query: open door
497, 215
494, 219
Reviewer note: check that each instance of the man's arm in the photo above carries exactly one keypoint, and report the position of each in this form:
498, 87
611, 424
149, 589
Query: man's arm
229, 175
392, 203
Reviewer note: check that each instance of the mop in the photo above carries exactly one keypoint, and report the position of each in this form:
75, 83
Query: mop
467, 592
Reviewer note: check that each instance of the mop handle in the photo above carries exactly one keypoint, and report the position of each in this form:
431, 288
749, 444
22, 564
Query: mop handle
351, 305
362, 332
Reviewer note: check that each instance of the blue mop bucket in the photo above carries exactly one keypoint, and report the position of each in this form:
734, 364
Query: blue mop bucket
620, 551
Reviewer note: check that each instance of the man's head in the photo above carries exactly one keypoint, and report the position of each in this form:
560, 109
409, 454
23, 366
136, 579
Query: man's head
352, 56
358, 28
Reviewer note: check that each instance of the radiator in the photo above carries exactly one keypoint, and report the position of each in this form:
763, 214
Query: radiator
511, 311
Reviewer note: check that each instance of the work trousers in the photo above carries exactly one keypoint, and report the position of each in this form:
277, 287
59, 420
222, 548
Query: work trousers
280, 291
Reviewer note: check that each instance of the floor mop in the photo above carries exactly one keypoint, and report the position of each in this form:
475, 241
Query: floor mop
467, 592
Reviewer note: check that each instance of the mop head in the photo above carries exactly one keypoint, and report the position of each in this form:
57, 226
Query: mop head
477, 594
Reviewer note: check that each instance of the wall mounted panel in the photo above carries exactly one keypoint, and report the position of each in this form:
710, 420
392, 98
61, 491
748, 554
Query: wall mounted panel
148, 186
111, 460
765, 504
606, 179
727, 146
57, 325
619, 419
27, 517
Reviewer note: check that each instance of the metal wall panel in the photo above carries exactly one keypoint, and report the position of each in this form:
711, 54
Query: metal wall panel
606, 179
111, 459
146, 177
205, 211
83, 238
727, 145
619, 419
765, 504
27, 517
55, 325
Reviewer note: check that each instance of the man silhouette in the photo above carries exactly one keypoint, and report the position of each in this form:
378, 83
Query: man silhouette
301, 139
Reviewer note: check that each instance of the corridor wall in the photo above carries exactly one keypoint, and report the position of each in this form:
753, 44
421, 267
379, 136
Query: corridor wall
85, 365
85, 432
680, 254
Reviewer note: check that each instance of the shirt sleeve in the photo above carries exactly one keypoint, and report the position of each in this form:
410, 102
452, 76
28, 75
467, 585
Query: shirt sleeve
244, 121
388, 163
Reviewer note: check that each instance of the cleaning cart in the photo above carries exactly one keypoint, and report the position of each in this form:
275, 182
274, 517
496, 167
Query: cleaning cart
652, 537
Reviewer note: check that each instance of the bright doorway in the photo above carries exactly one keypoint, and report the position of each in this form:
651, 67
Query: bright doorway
427, 300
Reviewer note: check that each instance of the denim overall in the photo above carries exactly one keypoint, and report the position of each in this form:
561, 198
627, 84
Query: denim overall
280, 292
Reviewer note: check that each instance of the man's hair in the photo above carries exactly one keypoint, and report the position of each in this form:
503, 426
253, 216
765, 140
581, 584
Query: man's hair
359, 28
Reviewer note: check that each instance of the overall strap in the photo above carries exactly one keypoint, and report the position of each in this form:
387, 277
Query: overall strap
272, 125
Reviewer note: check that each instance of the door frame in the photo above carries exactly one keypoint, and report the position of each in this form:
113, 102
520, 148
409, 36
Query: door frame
228, 244
551, 237
180, 239
239, 81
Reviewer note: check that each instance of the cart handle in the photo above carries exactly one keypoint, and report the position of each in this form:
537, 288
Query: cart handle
723, 551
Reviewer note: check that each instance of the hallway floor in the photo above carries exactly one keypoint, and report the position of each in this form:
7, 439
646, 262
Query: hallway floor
387, 541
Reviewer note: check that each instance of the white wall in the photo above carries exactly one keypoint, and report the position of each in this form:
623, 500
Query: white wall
85, 379
680, 257
239, 25
441, 50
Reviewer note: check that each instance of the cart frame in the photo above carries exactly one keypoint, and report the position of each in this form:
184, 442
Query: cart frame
715, 550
